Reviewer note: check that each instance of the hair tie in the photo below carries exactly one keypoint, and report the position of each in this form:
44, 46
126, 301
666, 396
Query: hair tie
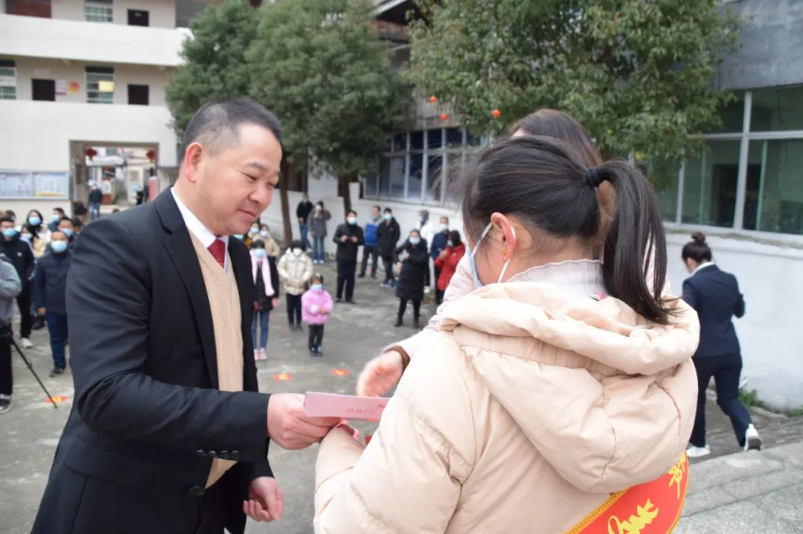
592, 176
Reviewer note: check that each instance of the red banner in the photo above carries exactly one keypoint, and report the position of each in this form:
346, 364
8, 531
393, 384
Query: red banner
650, 508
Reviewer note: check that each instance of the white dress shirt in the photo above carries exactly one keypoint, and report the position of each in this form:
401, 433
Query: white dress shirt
198, 229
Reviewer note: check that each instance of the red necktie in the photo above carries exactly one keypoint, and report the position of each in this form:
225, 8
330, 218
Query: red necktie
218, 250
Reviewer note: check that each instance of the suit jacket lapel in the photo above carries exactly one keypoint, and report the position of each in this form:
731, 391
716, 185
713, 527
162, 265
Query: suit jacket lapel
241, 265
182, 253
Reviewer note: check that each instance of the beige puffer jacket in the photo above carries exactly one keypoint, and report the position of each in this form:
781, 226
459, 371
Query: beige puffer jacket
529, 407
295, 272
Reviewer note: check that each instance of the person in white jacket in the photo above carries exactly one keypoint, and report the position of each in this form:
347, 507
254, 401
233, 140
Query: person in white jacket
295, 270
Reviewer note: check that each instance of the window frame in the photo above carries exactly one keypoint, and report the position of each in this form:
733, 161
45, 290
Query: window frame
12, 66
91, 69
98, 5
745, 136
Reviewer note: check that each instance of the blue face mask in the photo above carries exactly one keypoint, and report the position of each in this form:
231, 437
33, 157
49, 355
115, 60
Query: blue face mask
473, 253
415, 240
254, 230
317, 287
10, 233
352, 220
58, 246
34, 221
67, 231
388, 216
258, 252
238, 236
56, 217
450, 243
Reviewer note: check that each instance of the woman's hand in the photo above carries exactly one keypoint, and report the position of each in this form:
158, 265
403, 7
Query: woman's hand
380, 374
275, 302
265, 500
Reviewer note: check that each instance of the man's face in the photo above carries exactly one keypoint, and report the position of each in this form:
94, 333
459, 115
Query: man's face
445, 221
66, 225
6, 225
375, 213
59, 236
236, 184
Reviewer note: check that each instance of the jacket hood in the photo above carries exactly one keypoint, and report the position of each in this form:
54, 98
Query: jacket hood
550, 357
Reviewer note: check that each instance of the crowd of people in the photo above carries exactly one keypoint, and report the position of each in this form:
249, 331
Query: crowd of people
573, 374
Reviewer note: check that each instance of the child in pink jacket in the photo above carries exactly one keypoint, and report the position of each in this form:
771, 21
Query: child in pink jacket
316, 307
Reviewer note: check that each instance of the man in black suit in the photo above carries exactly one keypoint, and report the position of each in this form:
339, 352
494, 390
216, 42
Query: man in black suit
154, 443
349, 238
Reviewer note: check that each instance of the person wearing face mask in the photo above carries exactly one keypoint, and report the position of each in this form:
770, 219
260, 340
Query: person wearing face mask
21, 255
271, 246
49, 295
371, 248
388, 235
348, 237
95, 198
317, 307
56, 217
40, 235
295, 270
437, 246
427, 231
413, 261
266, 295
251, 236
317, 226
66, 227
563, 380
303, 211
447, 261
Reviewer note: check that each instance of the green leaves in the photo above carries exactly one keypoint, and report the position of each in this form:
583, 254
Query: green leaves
638, 74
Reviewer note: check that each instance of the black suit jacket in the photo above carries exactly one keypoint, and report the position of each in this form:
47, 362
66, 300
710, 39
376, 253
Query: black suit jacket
147, 416
716, 297
348, 251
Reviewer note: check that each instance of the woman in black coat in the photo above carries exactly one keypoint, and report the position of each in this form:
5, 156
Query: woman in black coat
413, 264
266, 295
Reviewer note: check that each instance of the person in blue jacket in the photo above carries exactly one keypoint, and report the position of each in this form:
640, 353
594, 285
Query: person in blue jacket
371, 247
715, 295
439, 245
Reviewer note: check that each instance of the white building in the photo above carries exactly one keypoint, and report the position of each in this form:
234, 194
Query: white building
76, 74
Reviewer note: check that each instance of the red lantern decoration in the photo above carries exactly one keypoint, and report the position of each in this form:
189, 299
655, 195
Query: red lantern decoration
91, 153
444, 116
433, 99
496, 113
151, 155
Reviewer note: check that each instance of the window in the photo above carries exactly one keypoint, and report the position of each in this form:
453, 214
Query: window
664, 175
709, 190
732, 114
100, 85
777, 109
30, 8
138, 95
44, 90
138, 17
8, 80
99, 11
774, 199
419, 166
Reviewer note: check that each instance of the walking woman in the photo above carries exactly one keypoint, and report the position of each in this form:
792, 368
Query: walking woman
564, 379
716, 297
413, 264
266, 296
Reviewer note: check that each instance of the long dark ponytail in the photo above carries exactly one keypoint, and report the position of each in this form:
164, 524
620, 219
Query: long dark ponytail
545, 183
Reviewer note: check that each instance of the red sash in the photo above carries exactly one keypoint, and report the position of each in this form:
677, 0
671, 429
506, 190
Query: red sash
650, 508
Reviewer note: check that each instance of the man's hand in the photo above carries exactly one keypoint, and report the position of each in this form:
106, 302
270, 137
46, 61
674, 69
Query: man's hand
380, 374
301, 220
344, 239
405, 255
354, 239
41, 311
290, 428
265, 500
275, 302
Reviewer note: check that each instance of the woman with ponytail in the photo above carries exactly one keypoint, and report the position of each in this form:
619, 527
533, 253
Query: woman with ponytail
564, 379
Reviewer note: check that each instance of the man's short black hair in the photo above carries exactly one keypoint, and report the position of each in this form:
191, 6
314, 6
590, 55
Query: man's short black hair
66, 219
6, 218
61, 211
218, 122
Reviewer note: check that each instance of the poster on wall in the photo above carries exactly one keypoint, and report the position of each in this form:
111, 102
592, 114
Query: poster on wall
51, 185
61, 87
16, 184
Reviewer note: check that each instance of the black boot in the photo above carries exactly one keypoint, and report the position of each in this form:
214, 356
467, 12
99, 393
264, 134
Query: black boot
399, 321
416, 323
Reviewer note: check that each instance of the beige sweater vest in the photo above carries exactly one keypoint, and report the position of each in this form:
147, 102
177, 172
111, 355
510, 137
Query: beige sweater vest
224, 301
